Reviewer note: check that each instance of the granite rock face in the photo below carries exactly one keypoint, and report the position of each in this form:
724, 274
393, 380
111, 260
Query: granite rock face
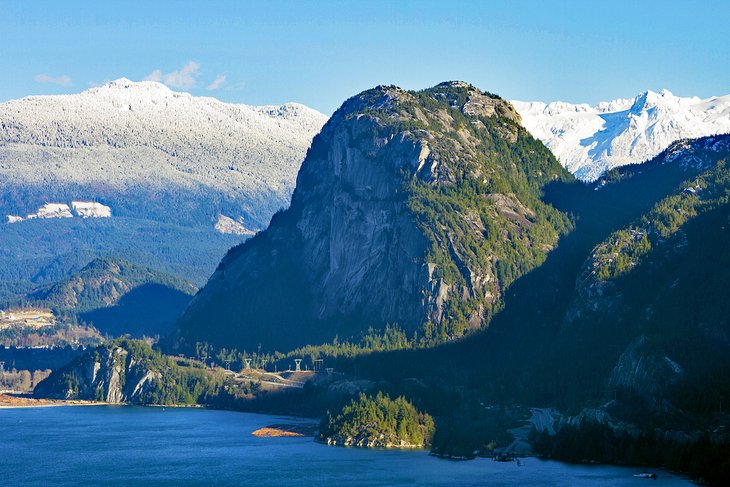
352, 251
111, 375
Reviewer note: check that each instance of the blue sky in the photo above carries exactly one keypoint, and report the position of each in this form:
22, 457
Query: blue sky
320, 53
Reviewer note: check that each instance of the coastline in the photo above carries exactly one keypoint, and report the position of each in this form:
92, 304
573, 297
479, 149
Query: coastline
303, 430
11, 401
8, 401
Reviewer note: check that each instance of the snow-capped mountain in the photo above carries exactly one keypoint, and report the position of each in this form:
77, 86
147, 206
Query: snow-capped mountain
124, 134
589, 140
163, 165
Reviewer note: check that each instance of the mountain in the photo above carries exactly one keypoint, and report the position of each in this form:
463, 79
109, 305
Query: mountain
416, 209
589, 140
436, 213
622, 333
118, 297
137, 170
126, 137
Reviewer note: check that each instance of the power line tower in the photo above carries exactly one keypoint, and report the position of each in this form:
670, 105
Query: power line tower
318, 365
248, 363
298, 363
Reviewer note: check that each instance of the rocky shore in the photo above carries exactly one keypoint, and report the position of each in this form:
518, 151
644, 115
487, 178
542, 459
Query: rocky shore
17, 401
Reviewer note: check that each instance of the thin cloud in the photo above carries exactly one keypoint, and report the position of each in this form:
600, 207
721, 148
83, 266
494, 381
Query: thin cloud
63, 80
184, 78
217, 82
155, 75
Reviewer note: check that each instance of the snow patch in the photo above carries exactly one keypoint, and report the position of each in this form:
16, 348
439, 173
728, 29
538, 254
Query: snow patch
91, 209
52, 210
227, 225
84, 209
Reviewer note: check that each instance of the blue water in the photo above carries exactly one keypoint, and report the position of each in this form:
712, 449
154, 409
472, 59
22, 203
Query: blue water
119, 445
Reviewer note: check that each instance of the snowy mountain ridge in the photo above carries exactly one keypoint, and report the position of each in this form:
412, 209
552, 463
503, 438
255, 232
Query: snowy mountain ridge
589, 140
150, 170
123, 132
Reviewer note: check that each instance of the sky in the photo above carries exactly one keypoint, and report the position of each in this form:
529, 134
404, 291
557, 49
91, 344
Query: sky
320, 53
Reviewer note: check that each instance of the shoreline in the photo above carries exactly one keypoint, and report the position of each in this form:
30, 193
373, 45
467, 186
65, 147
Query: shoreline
285, 430
8, 401
12, 401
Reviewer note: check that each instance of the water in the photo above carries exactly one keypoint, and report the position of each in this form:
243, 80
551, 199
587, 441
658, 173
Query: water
119, 445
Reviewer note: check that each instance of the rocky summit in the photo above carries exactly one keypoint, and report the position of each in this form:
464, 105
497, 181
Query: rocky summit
415, 209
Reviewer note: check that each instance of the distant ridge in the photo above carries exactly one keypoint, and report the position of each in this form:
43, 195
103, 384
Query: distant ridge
589, 140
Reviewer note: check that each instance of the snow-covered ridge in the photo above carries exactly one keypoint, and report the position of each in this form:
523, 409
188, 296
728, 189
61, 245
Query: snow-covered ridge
82, 209
589, 140
126, 133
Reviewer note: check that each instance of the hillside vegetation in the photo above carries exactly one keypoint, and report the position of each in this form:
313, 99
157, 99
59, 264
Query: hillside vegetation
116, 297
378, 422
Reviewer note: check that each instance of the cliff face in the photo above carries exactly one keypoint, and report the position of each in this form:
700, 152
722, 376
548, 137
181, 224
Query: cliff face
402, 213
109, 374
129, 371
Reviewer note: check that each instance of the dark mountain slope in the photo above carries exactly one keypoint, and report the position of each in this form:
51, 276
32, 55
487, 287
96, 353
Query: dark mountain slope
570, 329
411, 208
118, 297
40, 252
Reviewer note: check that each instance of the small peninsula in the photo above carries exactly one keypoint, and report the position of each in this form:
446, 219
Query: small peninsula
377, 422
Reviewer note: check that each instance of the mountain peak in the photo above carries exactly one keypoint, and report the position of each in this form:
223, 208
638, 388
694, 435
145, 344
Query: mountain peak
590, 140
647, 99
120, 83
125, 85
465, 97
